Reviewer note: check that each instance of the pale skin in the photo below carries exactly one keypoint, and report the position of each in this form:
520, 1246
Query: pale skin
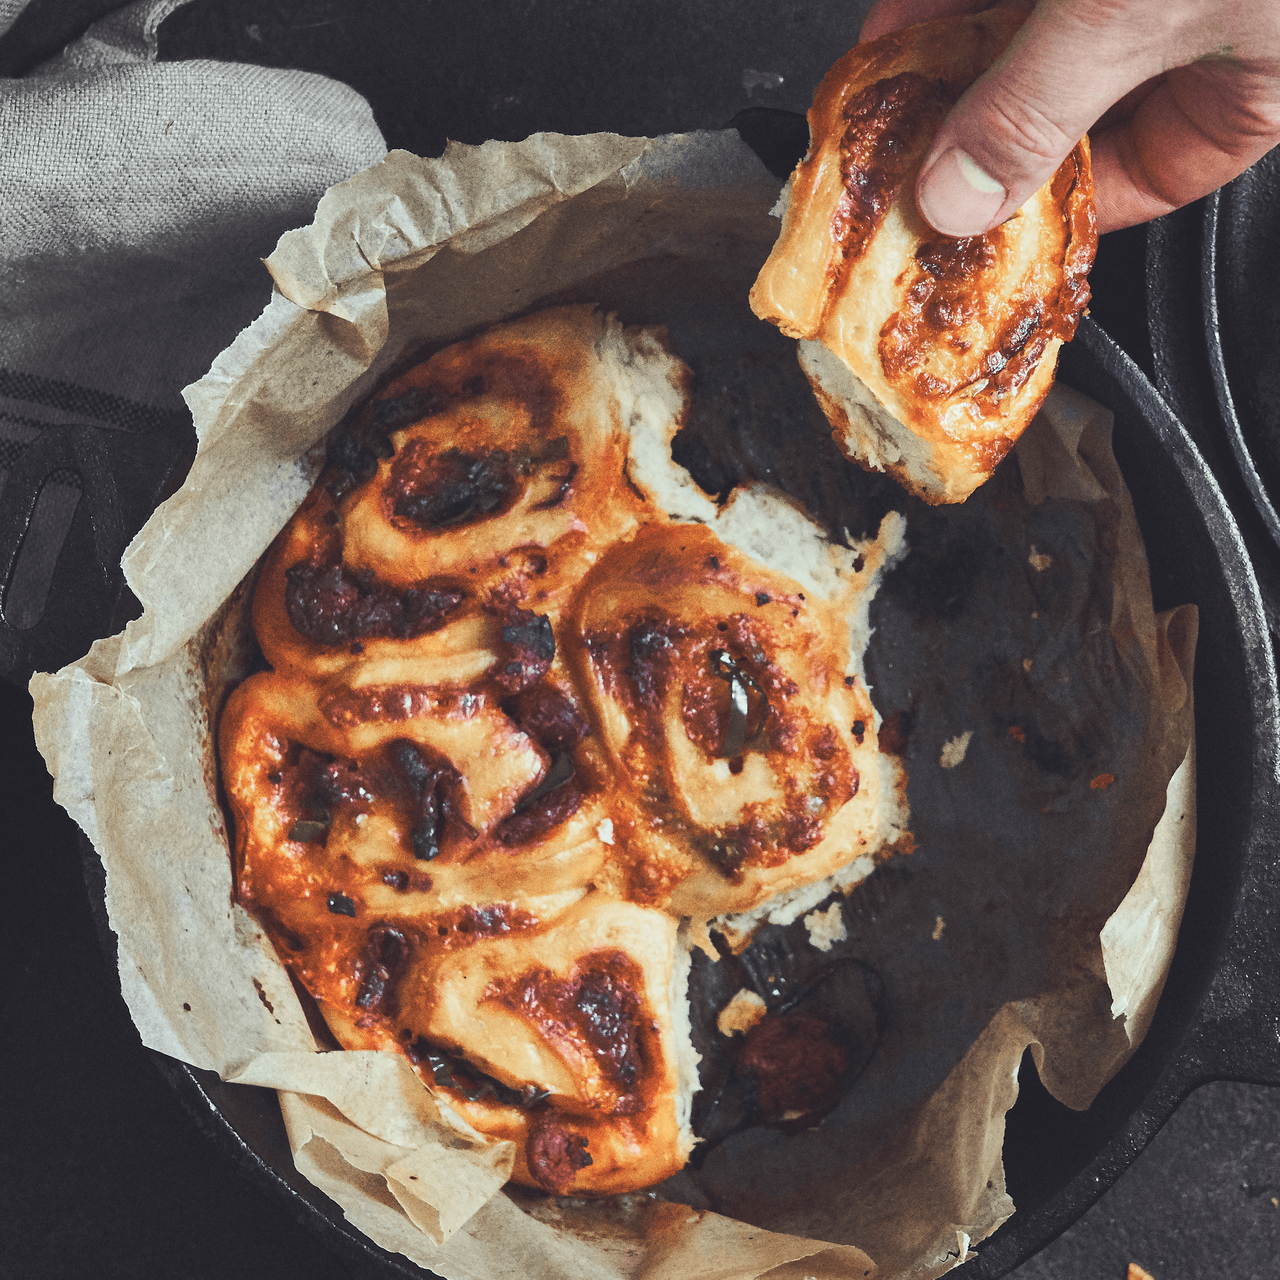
1178, 97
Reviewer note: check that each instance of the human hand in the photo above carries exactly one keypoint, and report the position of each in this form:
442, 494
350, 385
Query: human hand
1178, 97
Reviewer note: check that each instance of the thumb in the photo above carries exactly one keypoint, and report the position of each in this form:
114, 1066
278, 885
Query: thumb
1016, 124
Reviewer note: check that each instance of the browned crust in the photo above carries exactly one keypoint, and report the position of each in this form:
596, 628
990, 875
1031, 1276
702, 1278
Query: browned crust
887, 125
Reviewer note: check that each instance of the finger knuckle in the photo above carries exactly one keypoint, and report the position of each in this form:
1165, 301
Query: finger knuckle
1256, 121
1027, 129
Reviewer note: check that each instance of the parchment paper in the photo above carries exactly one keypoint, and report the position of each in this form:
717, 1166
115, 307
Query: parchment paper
409, 254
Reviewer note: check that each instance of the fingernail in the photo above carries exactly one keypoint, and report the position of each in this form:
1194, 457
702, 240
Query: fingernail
957, 197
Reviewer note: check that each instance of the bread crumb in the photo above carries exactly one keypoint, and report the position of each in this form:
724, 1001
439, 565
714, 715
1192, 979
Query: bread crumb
954, 748
1026, 664
741, 1013
1038, 562
938, 925
1137, 1273
605, 831
826, 927
700, 936
1101, 782
753, 79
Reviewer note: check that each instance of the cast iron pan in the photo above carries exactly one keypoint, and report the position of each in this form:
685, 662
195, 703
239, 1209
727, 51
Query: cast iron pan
1242, 314
1220, 1014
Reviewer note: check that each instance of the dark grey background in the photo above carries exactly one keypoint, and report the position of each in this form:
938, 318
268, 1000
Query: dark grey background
103, 1173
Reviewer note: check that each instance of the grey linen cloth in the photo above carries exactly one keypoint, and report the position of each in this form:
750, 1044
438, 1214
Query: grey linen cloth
136, 201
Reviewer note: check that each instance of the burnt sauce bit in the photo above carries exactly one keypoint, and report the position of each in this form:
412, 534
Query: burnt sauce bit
454, 1072
794, 1065
352, 459
527, 649
548, 716
554, 800
307, 791
414, 405
555, 1152
434, 784
441, 490
470, 924
386, 957
894, 732
652, 646
333, 605
313, 786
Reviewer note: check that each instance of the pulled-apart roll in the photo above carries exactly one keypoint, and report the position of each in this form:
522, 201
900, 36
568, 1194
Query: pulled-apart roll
929, 354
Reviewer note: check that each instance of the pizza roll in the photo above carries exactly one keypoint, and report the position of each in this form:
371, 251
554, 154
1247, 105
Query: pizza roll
527, 711
929, 354
483, 481
413, 803
572, 1040
744, 755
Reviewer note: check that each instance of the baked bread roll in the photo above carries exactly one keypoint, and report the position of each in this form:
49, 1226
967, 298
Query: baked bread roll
745, 759
929, 354
491, 474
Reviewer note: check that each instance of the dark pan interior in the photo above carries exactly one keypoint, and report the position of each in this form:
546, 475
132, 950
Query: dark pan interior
1057, 1161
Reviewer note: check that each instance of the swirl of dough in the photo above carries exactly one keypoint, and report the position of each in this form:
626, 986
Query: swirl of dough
411, 853
566, 1039
402, 803
745, 758
489, 477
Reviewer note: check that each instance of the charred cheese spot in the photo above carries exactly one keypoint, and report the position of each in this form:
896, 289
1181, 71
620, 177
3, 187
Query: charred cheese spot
886, 129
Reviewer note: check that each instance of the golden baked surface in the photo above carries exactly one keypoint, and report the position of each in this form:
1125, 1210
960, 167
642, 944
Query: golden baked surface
955, 339
519, 723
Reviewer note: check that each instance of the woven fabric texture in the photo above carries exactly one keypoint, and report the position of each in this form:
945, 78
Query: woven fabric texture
136, 201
